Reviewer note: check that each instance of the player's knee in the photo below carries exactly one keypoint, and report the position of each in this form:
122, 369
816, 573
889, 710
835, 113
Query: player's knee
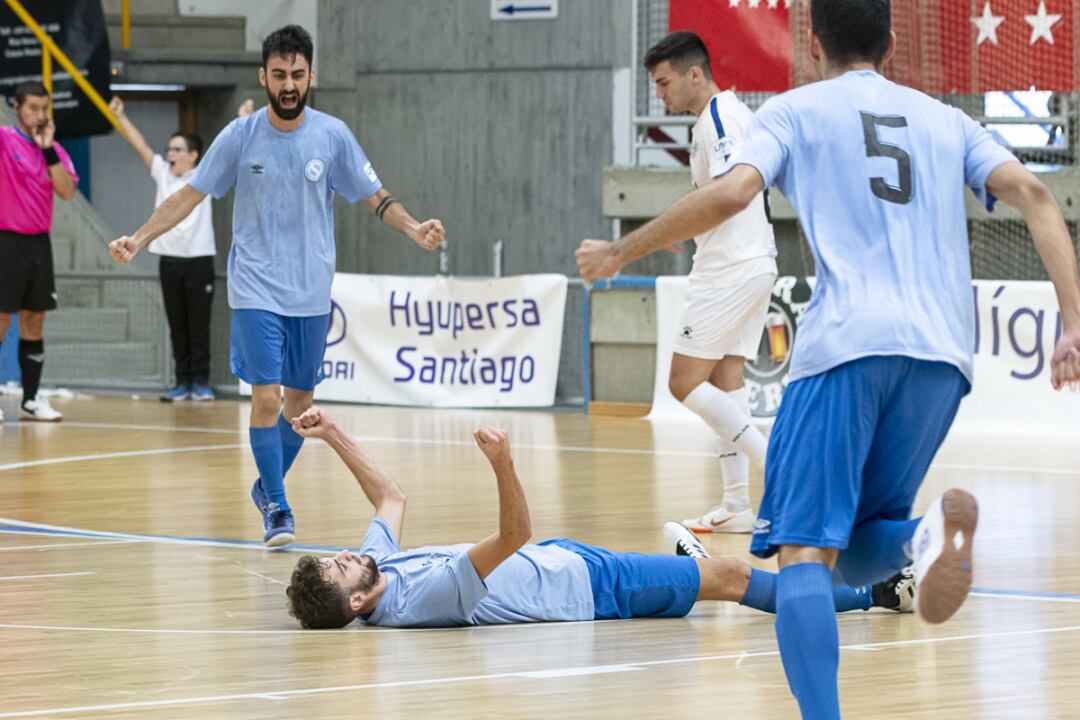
678, 386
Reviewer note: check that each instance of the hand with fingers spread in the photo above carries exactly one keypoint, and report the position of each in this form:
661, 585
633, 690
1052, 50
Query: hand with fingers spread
495, 444
1065, 362
597, 259
313, 423
429, 234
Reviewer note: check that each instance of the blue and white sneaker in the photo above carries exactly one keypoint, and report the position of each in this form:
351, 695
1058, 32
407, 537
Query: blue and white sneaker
177, 394
202, 393
258, 496
280, 527
942, 551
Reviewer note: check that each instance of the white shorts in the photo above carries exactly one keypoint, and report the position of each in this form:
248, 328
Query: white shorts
720, 321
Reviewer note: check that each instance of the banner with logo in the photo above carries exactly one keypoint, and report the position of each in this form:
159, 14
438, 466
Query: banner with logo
78, 28
445, 342
1017, 326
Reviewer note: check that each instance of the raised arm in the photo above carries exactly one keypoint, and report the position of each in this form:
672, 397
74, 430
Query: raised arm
515, 528
428, 234
1014, 184
385, 495
690, 216
131, 133
175, 208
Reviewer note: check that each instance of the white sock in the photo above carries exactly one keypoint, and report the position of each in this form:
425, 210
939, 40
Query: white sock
728, 416
735, 468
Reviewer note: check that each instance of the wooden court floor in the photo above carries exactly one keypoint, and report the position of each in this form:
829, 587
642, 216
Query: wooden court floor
130, 586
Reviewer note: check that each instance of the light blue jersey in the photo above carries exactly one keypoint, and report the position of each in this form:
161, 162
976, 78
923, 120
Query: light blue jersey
876, 172
282, 256
439, 587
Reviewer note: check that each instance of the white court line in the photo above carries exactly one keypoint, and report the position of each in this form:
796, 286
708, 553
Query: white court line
469, 443
65, 545
123, 454
528, 674
50, 575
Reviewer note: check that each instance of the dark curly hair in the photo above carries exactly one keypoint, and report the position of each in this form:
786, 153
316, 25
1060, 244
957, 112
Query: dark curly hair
286, 42
316, 603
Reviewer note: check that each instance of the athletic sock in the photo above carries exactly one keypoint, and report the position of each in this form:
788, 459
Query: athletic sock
290, 444
729, 419
876, 551
808, 638
31, 363
735, 468
761, 594
266, 447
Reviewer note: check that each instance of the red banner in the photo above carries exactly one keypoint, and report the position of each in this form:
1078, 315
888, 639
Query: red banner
942, 46
749, 41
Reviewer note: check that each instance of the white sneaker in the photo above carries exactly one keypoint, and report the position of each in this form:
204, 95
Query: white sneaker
683, 541
721, 520
40, 411
941, 549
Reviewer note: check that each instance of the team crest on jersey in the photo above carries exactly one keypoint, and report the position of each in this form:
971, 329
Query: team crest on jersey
314, 170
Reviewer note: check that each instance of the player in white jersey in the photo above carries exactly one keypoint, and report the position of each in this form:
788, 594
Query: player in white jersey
730, 282
876, 172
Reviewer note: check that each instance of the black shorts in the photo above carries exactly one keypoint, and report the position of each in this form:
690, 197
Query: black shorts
27, 281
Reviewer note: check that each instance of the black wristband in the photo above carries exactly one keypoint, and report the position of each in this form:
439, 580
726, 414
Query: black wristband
51, 158
387, 201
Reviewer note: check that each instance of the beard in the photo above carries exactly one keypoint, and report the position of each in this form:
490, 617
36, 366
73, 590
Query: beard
371, 576
288, 113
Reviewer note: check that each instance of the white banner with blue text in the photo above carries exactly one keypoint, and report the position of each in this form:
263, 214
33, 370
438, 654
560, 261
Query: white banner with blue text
1017, 325
443, 341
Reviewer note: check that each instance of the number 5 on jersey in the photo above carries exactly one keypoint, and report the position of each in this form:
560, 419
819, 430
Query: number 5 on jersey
875, 148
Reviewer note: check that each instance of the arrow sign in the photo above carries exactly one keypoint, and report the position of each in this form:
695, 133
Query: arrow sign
524, 10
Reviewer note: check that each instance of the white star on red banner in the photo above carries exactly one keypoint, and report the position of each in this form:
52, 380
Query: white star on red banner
1041, 24
987, 23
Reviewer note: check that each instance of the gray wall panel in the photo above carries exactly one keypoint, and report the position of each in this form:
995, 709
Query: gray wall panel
448, 35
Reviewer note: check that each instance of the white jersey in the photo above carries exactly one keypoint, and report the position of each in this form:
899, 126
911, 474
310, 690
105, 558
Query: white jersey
194, 235
744, 246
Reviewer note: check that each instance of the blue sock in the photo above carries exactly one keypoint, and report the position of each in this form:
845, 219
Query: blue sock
266, 447
875, 551
290, 444
761, 594
808, 639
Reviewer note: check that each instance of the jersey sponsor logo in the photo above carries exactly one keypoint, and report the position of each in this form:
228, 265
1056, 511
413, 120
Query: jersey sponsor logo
370, 172
256, 169
723, 148
314, 170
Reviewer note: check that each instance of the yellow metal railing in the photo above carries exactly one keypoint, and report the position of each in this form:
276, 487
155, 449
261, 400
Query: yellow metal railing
50, 51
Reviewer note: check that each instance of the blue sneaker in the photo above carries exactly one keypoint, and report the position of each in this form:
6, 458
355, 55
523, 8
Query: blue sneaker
280, 527
258, 496
202, 393
177, 394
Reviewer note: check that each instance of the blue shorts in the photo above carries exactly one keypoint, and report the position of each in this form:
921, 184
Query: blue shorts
630, 585
271, 349
853, 444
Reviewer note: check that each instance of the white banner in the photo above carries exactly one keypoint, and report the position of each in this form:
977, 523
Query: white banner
1017, 326
444, 342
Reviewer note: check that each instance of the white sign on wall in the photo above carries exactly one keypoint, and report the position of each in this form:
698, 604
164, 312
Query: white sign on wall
524, 9
445, 342
1017, 326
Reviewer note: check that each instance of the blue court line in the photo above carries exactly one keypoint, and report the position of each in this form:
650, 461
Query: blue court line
31, 529
177, 539
1025, 594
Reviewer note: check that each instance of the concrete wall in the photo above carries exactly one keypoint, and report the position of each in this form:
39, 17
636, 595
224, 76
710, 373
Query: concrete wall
501, 129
